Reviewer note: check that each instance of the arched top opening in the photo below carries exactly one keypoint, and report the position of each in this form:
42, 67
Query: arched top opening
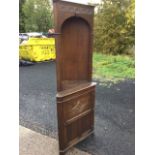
74, 19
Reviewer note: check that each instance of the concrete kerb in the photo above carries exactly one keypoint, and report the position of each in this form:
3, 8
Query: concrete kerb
33, 143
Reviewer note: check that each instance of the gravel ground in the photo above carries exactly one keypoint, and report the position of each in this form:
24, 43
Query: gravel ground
114, 117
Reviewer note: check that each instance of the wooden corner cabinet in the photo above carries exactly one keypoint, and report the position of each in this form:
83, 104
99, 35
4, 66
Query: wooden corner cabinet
75, 89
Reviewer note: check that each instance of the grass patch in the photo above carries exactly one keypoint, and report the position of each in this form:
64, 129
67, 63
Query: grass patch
113, 68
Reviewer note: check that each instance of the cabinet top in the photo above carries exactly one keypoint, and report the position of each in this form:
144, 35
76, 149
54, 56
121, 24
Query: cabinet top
73, 3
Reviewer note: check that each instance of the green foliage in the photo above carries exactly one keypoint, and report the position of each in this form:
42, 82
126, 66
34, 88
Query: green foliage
114, 27
21, 16
37, 15
113, 68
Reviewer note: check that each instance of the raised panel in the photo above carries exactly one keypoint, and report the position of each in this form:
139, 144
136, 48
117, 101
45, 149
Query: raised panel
77, 106
86, 123
79, 128
72, 131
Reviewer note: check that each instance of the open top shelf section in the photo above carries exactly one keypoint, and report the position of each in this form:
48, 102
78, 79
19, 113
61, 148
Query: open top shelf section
74, 24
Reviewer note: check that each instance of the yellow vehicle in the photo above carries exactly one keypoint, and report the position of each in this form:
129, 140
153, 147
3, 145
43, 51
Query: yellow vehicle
37, 49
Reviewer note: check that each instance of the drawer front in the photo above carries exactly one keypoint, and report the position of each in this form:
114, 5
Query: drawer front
78, 106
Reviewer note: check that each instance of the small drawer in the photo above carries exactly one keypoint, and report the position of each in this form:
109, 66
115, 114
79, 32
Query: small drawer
78, 106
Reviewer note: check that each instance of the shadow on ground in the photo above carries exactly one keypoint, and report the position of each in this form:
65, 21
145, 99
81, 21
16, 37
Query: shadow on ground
114, 115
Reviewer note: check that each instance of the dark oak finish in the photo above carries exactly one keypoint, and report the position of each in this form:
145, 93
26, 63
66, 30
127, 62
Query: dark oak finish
75, 108
76, 92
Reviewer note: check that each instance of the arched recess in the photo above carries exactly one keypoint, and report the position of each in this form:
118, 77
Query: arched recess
75, 52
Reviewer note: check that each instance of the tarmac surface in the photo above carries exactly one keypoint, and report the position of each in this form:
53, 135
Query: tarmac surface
114, 115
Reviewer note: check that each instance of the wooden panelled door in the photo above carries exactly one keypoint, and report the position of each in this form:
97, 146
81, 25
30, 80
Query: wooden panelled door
75, 89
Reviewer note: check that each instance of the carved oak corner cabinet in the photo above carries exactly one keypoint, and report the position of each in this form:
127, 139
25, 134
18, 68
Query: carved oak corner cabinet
75, 89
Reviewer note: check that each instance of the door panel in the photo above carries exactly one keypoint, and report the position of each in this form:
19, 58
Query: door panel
75, 116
